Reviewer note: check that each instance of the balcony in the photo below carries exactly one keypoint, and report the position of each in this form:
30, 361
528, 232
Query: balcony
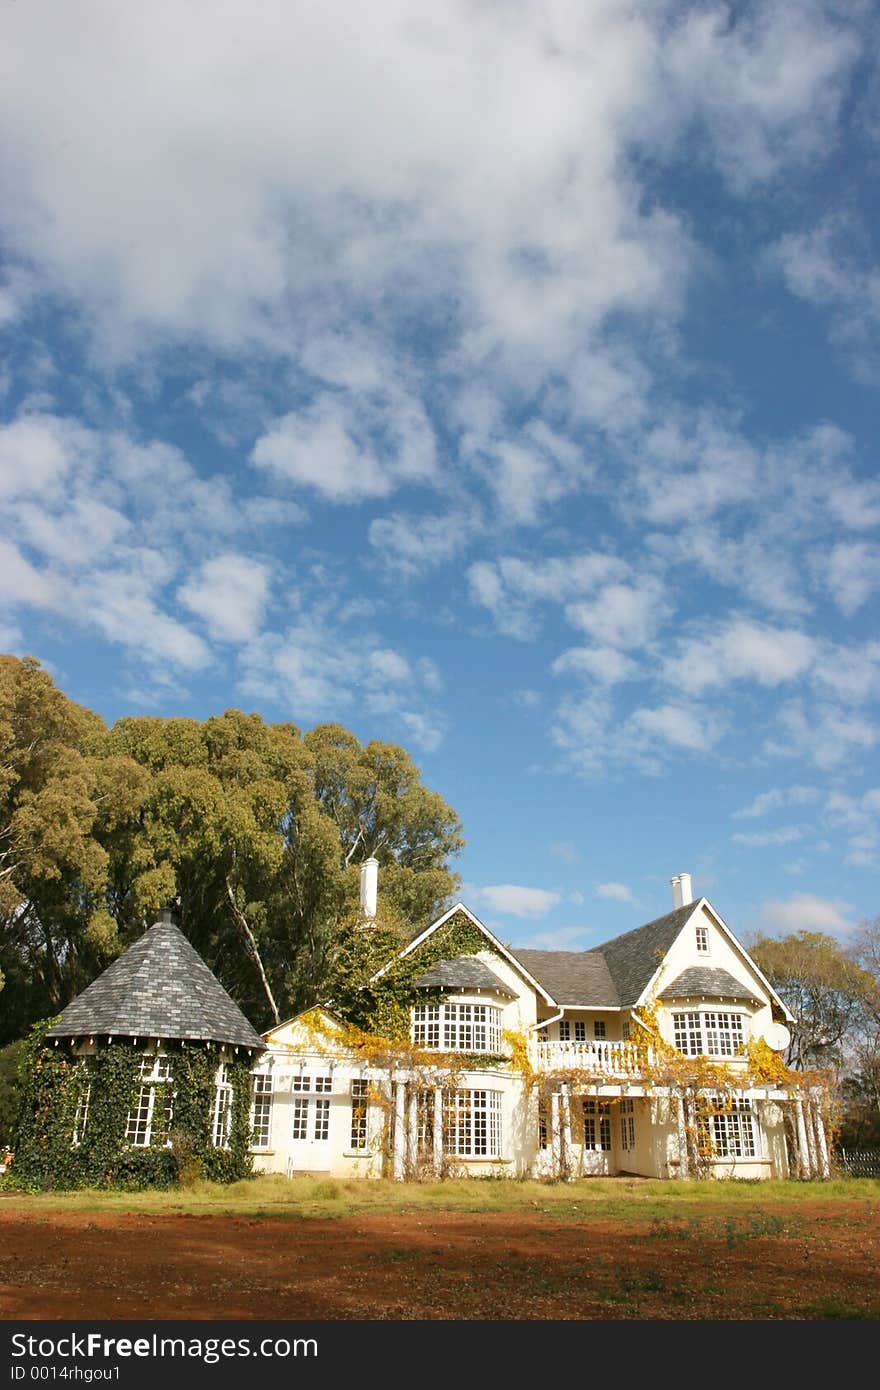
600, 1058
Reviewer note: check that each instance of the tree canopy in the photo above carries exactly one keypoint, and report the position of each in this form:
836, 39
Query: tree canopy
256, 831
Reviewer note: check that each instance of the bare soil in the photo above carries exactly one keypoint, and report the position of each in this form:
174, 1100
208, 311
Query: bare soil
813, 1260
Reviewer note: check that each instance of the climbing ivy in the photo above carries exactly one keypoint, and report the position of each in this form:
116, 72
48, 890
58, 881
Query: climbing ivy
384, 1006
53, 1081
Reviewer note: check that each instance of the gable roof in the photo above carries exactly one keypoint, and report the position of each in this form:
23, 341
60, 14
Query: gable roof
464, 972
159, 988
701, 981
634, 958
492, 942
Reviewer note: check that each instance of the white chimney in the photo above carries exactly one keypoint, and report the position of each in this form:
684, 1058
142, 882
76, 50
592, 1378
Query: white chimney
369, 886
682, 893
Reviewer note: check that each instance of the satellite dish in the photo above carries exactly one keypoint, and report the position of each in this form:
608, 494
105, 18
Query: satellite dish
777, 1036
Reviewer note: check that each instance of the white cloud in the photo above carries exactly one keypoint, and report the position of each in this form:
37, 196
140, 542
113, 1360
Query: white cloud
785, 835
832, 266
348, 450
415, 544
511, 587
516, 900
603, 664
825, 736
853, 574
619, 892
622, 615
740, 649
806, 912
672, 724
229, 592
320, 666
774, 798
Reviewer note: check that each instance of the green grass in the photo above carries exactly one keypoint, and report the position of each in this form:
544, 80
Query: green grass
591, 1198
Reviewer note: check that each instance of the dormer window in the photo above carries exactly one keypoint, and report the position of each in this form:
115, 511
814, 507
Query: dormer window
703, 940
457, 1027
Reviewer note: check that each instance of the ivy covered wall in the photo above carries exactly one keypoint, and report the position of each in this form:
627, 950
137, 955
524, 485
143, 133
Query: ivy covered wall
384, 1007
54, 1082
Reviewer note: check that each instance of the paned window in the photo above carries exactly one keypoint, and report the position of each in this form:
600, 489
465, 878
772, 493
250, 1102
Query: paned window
733, 1129
599, 1028
580, 1032
81, 1118
322, 1119
708, 1032
702, 940
149, 1119
472, 1123
627, 1124
222, 1109
625, 1030
300, 1119
261, 1109
597, 1125
463, 1027
360, 1091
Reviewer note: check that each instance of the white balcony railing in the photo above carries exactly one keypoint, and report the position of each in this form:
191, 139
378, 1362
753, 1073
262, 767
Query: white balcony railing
610, 1058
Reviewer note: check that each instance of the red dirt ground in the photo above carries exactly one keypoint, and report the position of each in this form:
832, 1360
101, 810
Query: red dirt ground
804, 1260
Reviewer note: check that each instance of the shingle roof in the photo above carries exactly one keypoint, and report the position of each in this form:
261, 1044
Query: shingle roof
609, 976
464, 972
571, 977
633, 958
701, 981
160, 988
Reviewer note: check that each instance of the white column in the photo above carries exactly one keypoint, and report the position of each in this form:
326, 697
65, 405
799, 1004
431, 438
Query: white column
565, 1125
438, 1130
399, 1130
412, 1131
821, 1141
683, 1164
554, 1133
803, 1146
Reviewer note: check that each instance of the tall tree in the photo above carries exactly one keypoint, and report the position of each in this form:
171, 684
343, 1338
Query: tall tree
52, 866
826, 990
257, 831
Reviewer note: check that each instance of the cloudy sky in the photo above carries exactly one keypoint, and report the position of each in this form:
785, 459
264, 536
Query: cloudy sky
498, 378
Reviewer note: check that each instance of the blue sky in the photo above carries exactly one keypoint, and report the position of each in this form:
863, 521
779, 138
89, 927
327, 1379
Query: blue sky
498, 379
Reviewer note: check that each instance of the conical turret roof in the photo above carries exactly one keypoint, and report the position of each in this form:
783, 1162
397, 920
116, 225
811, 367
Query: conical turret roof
159, 988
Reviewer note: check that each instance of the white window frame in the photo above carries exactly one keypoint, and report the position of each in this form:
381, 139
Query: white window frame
360, 1114
456, 1026
262, 1095
701, 934
597, 1124
155, 1071
734, 1131
299, 1128
709, 1032
627, 1124
81, 1117
310, 1117
472, 1123
221, 1127
600, 1029
564, 1030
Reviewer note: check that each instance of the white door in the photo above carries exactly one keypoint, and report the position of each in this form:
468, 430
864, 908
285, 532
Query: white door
309, 1150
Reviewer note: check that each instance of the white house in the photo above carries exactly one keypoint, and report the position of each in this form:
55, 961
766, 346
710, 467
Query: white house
657, 1054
